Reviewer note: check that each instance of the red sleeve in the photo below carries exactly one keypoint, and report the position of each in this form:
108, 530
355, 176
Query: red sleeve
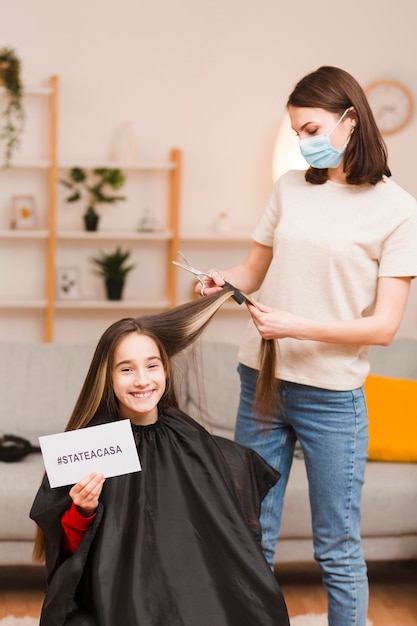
75, 526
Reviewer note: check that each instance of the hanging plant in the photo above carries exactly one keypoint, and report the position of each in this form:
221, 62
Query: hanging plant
13, 114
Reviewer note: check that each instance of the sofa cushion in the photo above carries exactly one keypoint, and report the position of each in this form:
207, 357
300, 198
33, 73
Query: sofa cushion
20, 483
213, 387
392, 410
43, 382
388, 489
389, 502
398, 359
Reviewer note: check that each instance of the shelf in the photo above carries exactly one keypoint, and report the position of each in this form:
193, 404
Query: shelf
111, 304
216, 238
24, 234
111, 235
147, 166
138, 165
32, 91
40, 164
22, 304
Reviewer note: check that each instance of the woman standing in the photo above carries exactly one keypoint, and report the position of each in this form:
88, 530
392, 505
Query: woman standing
332, 256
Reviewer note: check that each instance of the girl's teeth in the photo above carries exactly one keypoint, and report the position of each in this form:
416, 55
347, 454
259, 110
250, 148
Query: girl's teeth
142, 395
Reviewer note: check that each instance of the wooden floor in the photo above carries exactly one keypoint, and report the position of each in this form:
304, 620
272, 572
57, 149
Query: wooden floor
392, 585
393, 591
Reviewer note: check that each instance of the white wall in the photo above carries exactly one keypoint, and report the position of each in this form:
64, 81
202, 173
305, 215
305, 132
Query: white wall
211, 77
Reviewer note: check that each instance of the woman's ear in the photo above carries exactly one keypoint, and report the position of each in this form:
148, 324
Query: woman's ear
352, 118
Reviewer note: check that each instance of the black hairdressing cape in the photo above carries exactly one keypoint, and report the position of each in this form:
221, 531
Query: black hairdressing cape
177, 544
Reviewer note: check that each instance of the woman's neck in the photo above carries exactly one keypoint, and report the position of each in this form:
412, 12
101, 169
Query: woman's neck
337, 175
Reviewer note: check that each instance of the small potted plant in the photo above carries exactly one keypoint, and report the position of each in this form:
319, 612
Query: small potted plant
94, 186
13, 114
113, 268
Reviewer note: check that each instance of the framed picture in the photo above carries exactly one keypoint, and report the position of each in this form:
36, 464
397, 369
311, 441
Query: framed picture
67, 283
23, 212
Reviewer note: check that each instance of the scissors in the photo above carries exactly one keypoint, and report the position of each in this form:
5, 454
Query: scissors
238, 296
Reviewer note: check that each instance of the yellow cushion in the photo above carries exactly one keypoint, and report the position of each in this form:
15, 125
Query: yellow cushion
392, 412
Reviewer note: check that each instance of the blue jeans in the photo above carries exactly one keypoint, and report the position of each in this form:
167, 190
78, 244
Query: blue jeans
332, 429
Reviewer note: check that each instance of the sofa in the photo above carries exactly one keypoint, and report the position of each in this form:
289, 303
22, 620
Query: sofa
39, 384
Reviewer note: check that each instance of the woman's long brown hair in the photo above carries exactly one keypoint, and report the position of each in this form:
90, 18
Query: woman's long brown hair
335, 90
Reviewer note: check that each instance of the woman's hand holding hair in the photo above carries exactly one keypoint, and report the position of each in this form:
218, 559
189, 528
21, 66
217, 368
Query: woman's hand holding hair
273, 323
376, 329
85, 494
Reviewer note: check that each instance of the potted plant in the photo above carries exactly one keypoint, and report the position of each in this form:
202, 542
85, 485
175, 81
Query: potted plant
113, 268
13, 114
94, 186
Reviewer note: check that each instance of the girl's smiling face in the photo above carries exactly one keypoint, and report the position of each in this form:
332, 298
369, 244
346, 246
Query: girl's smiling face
139, 378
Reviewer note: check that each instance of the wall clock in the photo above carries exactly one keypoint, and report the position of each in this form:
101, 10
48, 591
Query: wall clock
392, 105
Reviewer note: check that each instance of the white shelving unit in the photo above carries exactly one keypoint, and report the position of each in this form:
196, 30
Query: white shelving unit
32, 297
152, 252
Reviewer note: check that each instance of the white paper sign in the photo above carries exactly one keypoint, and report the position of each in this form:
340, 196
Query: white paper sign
109, 449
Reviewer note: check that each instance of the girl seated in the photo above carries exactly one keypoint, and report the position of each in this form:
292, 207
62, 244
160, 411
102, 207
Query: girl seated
178, 543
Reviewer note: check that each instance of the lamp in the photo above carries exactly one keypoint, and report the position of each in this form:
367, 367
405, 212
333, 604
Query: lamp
287, 155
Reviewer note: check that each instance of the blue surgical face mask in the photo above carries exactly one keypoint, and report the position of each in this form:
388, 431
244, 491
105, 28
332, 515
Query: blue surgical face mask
319, 152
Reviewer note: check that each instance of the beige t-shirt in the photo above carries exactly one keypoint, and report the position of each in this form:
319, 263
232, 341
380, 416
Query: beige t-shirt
331, 242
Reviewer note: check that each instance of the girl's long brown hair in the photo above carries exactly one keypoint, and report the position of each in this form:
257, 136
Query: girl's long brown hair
173, 331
